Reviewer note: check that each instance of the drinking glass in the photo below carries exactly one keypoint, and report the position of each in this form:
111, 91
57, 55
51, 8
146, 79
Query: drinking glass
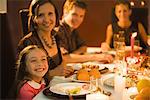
93, 84
115, 40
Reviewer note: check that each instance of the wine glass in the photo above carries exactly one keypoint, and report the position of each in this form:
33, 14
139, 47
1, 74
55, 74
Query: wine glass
115, 40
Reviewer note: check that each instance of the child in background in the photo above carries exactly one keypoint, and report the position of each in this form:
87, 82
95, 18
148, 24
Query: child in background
32, 67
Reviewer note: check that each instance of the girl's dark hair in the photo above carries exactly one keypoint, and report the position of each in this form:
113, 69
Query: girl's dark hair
21, 62
33, 10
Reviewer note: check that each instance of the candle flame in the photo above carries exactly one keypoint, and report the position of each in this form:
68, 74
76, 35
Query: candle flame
134, 34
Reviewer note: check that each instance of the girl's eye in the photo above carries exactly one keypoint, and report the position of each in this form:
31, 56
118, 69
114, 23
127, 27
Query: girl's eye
44, 59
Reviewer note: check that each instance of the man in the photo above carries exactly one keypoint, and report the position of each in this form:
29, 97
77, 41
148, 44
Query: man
72, 46
73, 15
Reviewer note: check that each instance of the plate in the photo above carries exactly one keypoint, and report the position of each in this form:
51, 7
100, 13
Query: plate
63, 88
93, 50
74, 76
136, 48
108, 80
78, 66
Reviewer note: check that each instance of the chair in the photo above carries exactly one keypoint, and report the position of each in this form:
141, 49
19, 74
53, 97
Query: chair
24, 19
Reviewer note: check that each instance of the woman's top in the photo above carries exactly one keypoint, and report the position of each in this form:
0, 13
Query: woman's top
30, 89
127, 32
70, 40
33, 39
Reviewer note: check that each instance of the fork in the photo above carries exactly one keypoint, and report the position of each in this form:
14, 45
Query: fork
69, 94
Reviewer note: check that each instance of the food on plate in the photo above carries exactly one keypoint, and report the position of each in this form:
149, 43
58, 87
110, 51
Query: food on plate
131, 80
143, 83
90, 66
146, 63
74, 90
83, 75
95, 73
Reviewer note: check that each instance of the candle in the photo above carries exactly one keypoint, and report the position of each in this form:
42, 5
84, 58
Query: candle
132, 43
119, 86
96, 96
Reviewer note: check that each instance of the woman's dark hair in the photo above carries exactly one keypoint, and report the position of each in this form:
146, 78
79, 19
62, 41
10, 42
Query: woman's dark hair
34, 6
118, 2
125, 2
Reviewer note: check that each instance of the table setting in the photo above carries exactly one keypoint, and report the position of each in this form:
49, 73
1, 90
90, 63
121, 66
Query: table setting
102, 80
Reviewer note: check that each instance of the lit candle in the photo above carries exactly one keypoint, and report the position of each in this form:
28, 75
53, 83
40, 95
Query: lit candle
132, 43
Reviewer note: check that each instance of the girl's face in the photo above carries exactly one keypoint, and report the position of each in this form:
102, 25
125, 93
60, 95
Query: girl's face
75, 17
46, 17
122, 12
36, 63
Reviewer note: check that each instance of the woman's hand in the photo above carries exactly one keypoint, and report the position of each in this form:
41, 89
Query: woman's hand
105, 47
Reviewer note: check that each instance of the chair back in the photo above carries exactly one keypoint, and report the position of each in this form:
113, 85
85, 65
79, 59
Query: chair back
24, 19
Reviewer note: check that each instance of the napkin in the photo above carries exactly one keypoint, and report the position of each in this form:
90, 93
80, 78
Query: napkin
97, 96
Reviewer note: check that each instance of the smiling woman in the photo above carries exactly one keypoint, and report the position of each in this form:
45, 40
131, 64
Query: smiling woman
125, 26
43, 17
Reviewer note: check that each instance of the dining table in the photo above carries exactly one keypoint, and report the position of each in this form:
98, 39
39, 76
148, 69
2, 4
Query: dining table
92, 95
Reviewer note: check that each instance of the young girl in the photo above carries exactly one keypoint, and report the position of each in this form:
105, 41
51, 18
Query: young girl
32, 67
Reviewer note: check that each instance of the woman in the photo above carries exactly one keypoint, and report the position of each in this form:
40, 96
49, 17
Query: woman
124, 25
43, 17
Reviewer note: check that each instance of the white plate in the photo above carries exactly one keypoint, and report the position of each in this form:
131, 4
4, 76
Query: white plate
108, 79
63, 87
93, 49
78, 66
136, 48
74, 78
75, 66
109, 66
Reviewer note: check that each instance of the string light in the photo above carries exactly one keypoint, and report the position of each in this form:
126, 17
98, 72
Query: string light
142, 3
132, 3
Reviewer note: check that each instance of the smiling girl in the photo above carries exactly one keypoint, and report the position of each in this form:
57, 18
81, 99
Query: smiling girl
32, 67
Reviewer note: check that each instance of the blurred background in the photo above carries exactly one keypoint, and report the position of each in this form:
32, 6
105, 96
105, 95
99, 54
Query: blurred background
98, 16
